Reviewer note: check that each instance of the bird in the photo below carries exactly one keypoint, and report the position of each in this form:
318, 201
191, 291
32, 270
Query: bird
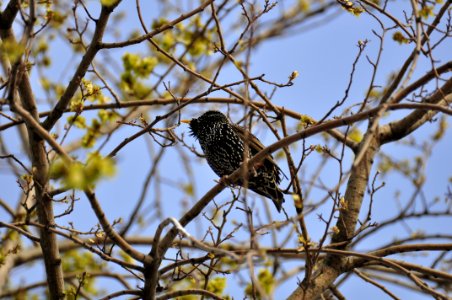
223, 144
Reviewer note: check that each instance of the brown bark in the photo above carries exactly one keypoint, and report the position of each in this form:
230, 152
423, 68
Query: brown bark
332, 266
44, 204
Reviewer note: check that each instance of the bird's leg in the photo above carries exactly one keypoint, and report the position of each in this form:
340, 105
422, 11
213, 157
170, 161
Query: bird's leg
254, 168
225, 180
253, 172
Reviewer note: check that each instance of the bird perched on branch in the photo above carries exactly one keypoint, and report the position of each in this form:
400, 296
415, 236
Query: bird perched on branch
223, 144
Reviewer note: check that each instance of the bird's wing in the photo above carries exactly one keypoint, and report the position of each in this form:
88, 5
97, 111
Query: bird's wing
256, 146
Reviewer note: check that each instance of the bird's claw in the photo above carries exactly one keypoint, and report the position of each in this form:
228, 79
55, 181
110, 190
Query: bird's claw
225, 180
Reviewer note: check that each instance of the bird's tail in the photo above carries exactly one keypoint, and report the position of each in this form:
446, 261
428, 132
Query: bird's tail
270, 191
278, 199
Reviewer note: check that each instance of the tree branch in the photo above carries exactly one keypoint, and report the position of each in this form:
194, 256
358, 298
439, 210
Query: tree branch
399, 129
83, 66
9, 14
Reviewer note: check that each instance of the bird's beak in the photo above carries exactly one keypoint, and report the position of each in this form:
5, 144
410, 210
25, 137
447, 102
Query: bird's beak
186, 121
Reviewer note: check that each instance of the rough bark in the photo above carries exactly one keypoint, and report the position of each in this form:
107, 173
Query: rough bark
333, 266
44, 204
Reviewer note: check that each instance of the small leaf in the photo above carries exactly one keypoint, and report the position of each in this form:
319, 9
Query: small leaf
266, 281
318, 148
77, 120
442, 126
293, 75
108, 3
217, 285
297, 201
188, 189
400, 38
355, 135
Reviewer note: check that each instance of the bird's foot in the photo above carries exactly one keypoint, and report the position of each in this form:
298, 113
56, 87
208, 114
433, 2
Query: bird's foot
253, 172
224, 180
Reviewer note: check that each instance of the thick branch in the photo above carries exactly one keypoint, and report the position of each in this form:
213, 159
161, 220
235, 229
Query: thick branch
44, 204
93, 48
204, 201
399, 129
9, 14
332, 266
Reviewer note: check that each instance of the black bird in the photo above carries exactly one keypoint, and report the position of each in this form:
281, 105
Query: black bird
223, 145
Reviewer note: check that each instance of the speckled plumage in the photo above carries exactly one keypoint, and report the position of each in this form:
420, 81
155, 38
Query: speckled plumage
223, 146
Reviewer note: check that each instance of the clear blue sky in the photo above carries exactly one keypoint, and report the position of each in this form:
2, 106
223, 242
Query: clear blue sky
323, 57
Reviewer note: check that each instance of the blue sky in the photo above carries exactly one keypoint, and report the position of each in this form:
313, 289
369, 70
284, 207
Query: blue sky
323, 57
